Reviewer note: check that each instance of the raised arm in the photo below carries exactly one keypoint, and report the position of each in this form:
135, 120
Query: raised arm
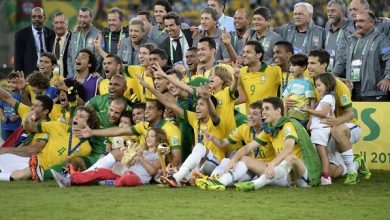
226, 40
205, 94
236, 78
6, 97
182, 85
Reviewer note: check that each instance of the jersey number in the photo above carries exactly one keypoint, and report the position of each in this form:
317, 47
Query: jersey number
253, 89
61, 151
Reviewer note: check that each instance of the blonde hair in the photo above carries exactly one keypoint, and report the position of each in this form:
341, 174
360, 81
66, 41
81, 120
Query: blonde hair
223, 73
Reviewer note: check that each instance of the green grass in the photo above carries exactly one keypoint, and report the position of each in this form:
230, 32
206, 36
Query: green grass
366, 200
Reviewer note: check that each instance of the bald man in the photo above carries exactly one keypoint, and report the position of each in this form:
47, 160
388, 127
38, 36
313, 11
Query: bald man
31, 41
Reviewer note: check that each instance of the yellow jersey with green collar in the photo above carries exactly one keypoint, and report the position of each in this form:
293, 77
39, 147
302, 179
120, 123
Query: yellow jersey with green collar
59, 114
278, 141
135, 71
211, 127
244, 134
56, 149
262, 84
132, 88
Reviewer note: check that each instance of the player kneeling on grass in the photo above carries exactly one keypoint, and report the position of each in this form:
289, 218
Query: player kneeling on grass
205, 153
296, 161
137, 166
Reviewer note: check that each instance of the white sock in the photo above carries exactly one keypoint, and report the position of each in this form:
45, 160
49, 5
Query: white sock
106, 162
191, 162
356, 164
5, 176
261, 181
247, 176
348, 160
219, 169
282, 170
233, 175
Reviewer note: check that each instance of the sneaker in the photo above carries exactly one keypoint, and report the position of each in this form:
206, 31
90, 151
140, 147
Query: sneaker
107, 183
352, 178
326, 181
169, 180
245, 186
209, 184
35, 169
63, 180
362, 170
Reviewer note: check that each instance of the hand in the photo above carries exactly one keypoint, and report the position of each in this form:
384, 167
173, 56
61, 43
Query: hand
207, 136
304, 108
290, 103
181, 68
142, 82
269, 172
195, 32
60, 85
140, 154
14, 118
384, 85
171, 169
98, 42
331, 121
31, 116
82, 133
230, 166
158, 71
21, 80
308, 125
226, 38
203, 91
236, 69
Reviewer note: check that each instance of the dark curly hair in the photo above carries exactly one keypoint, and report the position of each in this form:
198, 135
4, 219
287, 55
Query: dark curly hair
37, 79
93, 120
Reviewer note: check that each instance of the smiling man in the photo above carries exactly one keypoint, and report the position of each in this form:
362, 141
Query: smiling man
61, 42
115, 32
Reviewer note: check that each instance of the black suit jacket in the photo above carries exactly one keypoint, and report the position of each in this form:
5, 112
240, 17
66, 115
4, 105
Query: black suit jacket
65, 55
166, 43
25, 50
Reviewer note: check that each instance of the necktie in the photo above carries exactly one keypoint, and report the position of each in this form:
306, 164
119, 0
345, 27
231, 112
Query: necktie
40, 42
178, 55
57, 48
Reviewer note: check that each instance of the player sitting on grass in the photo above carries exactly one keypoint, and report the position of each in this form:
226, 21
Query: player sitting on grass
139, 167
245, 133
295, 162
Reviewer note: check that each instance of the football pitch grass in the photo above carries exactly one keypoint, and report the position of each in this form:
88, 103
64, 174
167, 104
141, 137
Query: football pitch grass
369, 199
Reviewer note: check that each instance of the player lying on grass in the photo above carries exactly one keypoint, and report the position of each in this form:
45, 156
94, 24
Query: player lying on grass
137, 166
295, 162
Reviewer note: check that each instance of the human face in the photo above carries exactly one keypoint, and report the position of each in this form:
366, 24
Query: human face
110, 67
321, 87
60, 25
114, 112
172, 29
138, 115
254, 117
192, 60
82, 60
201, 109
297, 71
144, 57
116, 87
364, 24
159, 12
215, 83
250, 57
13, 84
259, 24
160, 84
114, 21
152, 114
354, 9
334, 14
205, 53
270, 115
241, 21
156, 59
172, 88
37, 107
37, 18
301, 16
214, 4
80, 119
281, 57
135, 33
125, 122
151, 139
63, 99
314, 67
85, 19
207, 22
45, 65
148, 24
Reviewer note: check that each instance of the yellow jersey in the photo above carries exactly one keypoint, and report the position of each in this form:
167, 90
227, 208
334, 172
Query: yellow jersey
132, 88
56, 149
59, 114
134, 72
261, 84
278, 141
211, 127
245, 134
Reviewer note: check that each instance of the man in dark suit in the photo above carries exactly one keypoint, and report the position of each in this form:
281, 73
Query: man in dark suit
32, 41
178, 40
61, 42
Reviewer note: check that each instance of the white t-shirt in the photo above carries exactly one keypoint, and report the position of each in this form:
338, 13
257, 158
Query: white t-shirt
140, 170
316, 121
